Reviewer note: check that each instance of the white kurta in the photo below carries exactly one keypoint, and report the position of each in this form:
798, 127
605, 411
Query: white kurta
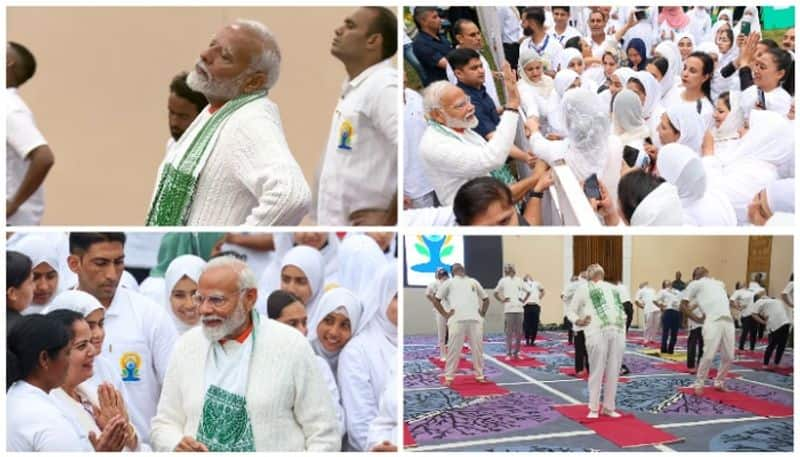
22, 137
384, 426
511, 288
359, 169
36, 423
251, 176
451, 158
139, 339
364, 367
288, 403
333, 388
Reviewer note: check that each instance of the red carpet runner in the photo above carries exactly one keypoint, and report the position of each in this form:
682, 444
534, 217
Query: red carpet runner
467, 386
626, 431
408, 440
744, 402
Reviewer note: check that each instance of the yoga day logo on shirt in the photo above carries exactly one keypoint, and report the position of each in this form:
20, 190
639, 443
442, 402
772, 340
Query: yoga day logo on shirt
346, 135
130, 362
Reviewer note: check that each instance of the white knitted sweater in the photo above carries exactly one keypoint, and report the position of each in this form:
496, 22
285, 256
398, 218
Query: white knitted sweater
251, 176
287, 399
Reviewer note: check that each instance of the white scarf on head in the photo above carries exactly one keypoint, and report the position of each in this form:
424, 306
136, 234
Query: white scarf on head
190, 266
661, 207
338, 300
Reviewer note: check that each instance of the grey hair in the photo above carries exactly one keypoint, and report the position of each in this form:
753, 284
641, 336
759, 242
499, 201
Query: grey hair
269, 60
432, 96
247, 279
595, 269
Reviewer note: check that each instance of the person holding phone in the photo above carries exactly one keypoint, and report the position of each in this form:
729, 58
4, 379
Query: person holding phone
773, 83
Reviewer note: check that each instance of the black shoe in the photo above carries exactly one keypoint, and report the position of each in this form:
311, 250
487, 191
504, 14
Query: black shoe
624, 370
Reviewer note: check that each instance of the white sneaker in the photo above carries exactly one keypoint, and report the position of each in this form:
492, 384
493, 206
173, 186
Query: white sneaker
592, 415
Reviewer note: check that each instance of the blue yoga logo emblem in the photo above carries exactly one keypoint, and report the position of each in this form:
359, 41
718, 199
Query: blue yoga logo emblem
435, 248
130, 362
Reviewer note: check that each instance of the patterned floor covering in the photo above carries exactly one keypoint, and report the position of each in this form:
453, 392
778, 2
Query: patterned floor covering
438, 418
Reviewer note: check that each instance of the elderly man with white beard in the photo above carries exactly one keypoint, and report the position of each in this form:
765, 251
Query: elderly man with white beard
451, 152
232, 166
240, 382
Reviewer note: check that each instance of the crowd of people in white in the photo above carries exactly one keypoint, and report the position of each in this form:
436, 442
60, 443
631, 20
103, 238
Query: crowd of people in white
665, 116
231, 342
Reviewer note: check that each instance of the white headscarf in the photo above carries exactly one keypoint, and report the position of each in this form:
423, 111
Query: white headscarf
669, 50
726, 57
381, 294
662, 206
311, 263
545, 85
780, 196
359, 259
567, 55
588, 128
564, 79
341, 301
729, 129
79, 301
624, 74
677, 41
652, 92
686, 120
755, 21
682, 167
628, 120
190, 266
770, 138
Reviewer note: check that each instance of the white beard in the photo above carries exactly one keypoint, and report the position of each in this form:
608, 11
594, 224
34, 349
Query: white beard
234, 321
224, 90
469, 123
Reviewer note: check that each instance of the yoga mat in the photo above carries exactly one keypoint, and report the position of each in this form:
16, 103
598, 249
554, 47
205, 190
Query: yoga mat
570, 371
534, 349
744, 402
756, 365
626, 431
408, 440
758, 355
678, 357
463, 364
681, 368
522, 362
467, 386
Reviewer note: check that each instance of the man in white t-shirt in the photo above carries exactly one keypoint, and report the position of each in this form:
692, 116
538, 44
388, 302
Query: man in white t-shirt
771, 313
510, 291
742, 299
140, 335
668, 300
538, 39
28, 156
561, 30
719, 332
441, 321
359, 169
468, 304
645, 300
532, 310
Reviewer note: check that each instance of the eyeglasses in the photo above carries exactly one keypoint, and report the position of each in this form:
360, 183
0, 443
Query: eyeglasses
216, 301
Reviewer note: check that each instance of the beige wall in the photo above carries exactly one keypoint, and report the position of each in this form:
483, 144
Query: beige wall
781, 267
653, 258
100, 94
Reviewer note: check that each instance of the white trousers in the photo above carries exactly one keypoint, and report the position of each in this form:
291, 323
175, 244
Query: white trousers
441, 333
652, 322
605, 349
717, 335
472, 332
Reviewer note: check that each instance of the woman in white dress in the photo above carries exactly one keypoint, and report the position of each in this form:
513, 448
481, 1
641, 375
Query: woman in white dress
45, 270
728, 124
94, 407
37, 360
366, 362
773, 83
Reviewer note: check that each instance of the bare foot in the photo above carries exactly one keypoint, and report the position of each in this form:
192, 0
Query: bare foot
721, 387
698, 390
481, 380
448, 382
